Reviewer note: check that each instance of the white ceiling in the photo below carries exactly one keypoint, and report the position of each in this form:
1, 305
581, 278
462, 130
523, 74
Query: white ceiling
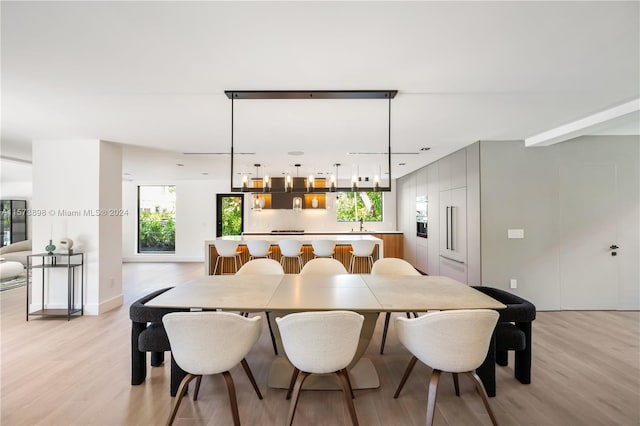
153, 74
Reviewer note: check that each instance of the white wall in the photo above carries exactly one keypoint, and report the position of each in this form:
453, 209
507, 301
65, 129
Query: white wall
196, 218
71, 178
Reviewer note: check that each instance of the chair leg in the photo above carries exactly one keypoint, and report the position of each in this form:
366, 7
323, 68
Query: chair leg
412, 364
294, 377
351, 263
346, 389
197, 389
232, 397
181, 391
346, 374
502, 358
247, 370
456, 384
273, 337
296, 394
215, 268
431, 397
384, 331
483, 394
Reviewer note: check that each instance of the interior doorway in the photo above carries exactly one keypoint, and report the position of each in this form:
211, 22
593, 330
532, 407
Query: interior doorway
229, 214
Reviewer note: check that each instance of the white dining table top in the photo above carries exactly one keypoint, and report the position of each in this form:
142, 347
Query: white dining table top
364, 292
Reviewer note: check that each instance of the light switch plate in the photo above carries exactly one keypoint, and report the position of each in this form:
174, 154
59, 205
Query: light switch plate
515, 233
513, 283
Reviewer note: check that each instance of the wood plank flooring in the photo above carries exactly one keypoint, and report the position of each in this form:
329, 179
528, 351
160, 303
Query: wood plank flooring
586, 371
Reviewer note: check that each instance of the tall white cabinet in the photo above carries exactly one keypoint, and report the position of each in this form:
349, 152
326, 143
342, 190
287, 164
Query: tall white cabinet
445, 184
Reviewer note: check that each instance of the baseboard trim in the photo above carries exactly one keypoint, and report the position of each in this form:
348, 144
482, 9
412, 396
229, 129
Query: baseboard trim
106, 306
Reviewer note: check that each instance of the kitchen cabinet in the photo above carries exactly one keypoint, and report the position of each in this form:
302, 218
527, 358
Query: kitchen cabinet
422, 254
452, 170
406, 215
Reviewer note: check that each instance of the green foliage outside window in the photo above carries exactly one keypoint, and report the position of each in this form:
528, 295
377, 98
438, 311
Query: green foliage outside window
157, 218
352, 206
157, 231
231, 216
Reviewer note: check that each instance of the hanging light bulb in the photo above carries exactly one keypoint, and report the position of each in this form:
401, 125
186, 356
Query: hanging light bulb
288, 184
310, 183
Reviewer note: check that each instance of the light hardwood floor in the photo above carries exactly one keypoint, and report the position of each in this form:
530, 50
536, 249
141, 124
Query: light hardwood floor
586, 371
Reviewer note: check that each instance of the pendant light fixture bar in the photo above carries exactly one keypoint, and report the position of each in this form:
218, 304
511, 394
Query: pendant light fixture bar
311, 94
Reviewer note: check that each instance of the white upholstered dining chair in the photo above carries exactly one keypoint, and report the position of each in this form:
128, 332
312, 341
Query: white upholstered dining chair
320, 343
448, 341
391, 266
263, 267
323, 266
323, 248
204, 343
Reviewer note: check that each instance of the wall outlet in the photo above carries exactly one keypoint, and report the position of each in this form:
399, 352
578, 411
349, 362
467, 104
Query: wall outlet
513, 283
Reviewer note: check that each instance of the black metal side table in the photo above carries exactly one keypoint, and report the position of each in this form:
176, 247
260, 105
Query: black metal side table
69, 261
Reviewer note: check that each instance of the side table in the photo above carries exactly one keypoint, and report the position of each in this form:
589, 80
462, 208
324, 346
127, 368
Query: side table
69, 261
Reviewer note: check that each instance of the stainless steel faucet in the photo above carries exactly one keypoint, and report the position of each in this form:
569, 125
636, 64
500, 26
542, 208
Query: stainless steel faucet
361, 224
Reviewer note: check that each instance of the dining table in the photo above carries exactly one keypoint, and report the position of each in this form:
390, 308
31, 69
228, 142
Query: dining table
366, 294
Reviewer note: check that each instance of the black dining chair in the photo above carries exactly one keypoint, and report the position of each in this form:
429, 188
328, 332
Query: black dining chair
513, 331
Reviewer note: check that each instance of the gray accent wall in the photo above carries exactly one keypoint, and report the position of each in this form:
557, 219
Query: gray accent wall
519, 189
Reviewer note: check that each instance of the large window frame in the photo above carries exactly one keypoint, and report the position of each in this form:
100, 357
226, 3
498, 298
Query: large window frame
355, 206
159, 226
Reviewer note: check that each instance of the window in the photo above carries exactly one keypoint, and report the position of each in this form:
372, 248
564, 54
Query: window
157, 219
230, 210
353, 206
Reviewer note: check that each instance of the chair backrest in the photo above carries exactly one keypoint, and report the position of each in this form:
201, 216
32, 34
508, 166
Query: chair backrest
261, 266
290, 248
455, 341
323, 266
139, 312
210, 342
258, 247
320, 342
393, 266
518, 309
323, 248
363, 247
226, 248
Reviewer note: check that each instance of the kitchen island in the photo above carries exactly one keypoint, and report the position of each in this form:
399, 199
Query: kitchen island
342, 251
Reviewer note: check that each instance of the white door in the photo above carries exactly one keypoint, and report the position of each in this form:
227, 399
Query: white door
588, 227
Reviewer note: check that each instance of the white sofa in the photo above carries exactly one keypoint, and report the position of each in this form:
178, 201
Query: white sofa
16, 252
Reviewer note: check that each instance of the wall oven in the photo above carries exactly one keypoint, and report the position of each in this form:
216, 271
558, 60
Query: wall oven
421, 216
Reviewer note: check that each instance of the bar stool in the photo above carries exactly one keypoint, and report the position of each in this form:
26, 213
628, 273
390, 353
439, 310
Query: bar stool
362, 249
290, 249
227, 249
259, 249
323, 248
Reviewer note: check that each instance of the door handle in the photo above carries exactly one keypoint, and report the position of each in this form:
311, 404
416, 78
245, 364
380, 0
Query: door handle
447, 227
451, 224
614, 247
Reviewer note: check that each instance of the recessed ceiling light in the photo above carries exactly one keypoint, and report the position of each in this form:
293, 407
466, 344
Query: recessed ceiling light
425, 148
179, 164
402, 164
295, 152
205, 173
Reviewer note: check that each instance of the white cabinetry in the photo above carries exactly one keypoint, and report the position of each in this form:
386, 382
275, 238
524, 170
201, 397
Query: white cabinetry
452, 170
406, 215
